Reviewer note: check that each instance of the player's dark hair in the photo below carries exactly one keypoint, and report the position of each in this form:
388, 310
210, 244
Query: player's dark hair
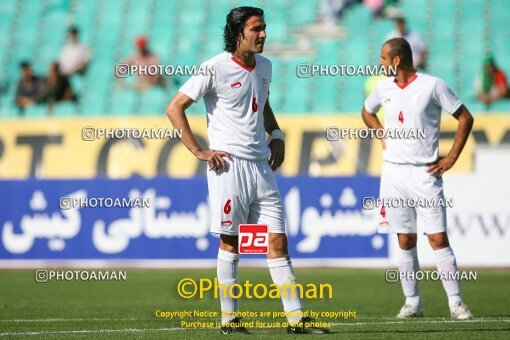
400, 20
24, 64
73, 30
400, 47
236, 20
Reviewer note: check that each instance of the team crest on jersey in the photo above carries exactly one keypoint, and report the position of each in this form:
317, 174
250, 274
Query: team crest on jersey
265, 84
416, 99
435, 214
387, 101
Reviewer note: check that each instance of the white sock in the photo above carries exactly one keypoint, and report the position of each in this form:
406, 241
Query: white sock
445, 260
281, 272
227, 275
408, 262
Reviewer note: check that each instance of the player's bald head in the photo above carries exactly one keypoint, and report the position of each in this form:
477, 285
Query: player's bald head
399, 47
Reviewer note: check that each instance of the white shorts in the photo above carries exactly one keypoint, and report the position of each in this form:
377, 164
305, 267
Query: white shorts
246, 192
405, 181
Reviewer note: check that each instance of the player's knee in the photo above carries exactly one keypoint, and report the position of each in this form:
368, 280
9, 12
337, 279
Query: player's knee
407, 241
229, 243
277, 246
438, 241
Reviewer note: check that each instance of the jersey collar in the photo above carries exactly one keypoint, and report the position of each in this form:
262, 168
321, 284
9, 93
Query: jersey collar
407, 84
240, 63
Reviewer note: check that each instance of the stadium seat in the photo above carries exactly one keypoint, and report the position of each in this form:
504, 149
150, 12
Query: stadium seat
64, 109
8, 109
181, 34
122, 102
501, 106
154, 101
36, 111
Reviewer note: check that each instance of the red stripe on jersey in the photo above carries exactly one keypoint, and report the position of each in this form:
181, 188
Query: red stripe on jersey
247, 68
407, 84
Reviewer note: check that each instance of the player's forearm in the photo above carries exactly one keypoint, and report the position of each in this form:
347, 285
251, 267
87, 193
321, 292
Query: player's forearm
270, 123
462, 133
371, 120
177, 116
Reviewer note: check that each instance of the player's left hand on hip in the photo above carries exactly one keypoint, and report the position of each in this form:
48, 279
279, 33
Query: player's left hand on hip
277, 147
442, 165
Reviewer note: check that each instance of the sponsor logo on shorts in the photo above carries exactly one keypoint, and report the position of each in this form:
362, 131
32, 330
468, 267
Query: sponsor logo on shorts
226, 223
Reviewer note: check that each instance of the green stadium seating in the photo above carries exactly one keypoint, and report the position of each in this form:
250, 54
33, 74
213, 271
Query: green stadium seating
457, 34
65, 109
122, 102
36, 111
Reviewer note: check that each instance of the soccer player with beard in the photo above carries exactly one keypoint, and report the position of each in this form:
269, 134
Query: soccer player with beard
242, 185
412, 168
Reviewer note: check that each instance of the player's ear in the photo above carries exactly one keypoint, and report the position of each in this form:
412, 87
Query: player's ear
396, 60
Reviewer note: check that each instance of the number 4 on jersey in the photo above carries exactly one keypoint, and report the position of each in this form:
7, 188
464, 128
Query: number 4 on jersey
401, 117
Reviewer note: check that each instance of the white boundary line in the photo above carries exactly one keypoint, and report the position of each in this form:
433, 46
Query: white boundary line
414, 321
245, 262
188, 264
89, 331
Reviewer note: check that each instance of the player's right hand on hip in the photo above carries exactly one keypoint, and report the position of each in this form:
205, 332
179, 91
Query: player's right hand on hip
215, 159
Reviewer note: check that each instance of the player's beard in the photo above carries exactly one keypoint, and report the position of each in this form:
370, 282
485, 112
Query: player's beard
260, 47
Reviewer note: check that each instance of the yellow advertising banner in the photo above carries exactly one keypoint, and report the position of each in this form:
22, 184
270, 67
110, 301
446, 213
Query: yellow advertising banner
148, 146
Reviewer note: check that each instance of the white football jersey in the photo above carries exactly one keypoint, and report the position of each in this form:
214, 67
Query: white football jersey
415, 106
234, 97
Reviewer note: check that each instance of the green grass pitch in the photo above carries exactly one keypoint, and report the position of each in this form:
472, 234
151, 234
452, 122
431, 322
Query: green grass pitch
126, 309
